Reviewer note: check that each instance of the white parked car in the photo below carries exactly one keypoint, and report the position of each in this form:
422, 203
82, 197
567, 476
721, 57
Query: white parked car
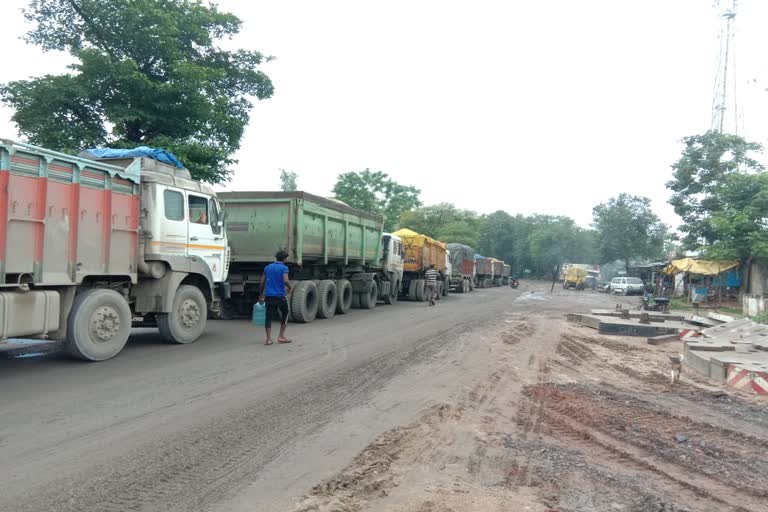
627, 286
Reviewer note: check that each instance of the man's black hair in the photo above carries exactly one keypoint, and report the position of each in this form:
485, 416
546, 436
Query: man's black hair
281, 255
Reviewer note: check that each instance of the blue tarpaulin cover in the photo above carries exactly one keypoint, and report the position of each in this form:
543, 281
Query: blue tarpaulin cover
161, 155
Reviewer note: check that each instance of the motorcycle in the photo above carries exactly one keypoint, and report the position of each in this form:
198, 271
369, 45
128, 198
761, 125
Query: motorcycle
514, 283
651, 303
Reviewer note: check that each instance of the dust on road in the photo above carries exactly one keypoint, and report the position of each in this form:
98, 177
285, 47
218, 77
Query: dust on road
566, 420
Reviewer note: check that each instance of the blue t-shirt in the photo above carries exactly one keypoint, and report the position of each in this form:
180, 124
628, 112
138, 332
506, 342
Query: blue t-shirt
274, 275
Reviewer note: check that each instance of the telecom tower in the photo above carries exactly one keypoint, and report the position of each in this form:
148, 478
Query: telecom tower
725, 114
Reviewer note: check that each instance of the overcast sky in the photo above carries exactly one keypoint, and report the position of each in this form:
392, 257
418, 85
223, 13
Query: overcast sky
547, 106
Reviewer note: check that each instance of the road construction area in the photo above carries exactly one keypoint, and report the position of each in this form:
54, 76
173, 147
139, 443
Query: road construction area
489, 401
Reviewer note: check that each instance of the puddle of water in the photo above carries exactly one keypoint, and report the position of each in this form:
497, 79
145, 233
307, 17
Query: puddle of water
530, 296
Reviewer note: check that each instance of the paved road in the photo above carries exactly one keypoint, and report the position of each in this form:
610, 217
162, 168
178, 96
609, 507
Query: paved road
183, 428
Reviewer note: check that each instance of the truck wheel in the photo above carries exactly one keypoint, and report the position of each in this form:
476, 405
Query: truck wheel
343, 296
412, 289
368, 300
98, 325
392, 297
326, 292
446, 288
420, 292
304, 302
186, 321
471, 285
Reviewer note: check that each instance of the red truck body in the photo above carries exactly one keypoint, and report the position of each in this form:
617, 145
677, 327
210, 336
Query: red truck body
61, 221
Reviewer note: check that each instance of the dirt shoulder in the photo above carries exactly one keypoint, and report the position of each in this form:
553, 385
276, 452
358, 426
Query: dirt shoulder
565, 420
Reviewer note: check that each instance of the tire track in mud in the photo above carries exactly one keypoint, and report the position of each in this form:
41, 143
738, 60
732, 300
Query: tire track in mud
659, 478
430, 441
618, 430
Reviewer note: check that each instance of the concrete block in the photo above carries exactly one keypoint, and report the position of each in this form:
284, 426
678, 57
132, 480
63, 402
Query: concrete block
657, 340
655, 316
721, 317
705, 345
698, 361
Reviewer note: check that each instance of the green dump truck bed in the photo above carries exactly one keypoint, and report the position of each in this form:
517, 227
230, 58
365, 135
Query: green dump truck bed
312, 229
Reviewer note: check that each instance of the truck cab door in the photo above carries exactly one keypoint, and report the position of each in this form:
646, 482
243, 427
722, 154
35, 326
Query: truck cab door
169, 232
206, 233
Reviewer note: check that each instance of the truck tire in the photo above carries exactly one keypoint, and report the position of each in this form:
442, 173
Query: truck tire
368, 300
446, 287
420, 291
393, 293
343, 296
326, 292
98, 325
487, 283
412, 289
471, 285
304, 302
189, 314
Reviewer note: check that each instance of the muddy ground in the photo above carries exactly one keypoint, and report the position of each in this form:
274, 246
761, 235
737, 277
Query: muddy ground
564, 419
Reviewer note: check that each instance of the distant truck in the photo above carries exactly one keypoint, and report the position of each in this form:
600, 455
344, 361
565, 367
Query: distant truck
421, 251
89, 248
498, 272
339, 257
507, 274
575, 277
462, 268
483, 271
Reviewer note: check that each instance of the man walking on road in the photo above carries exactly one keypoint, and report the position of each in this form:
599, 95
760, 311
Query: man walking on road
431, 285
274, 287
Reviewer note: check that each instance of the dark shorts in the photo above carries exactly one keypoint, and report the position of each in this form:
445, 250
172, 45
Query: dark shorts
277, 309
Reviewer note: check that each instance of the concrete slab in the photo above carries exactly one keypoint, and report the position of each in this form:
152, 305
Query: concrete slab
734, 328
658, 340
622, 327
717, 358
700, 320
696, 360
721, 317
705, 345
654, 316
750, 378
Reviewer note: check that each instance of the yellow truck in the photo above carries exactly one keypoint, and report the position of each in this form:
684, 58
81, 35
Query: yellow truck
575, 278
422, 251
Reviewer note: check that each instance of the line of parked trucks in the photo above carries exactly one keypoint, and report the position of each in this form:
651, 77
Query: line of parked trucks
90, 248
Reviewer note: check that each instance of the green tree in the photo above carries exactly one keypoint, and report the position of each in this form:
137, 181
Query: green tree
445, 222
721, 193
553, 240
627, 229
147, 72
375, 192
496, 236
288, 181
